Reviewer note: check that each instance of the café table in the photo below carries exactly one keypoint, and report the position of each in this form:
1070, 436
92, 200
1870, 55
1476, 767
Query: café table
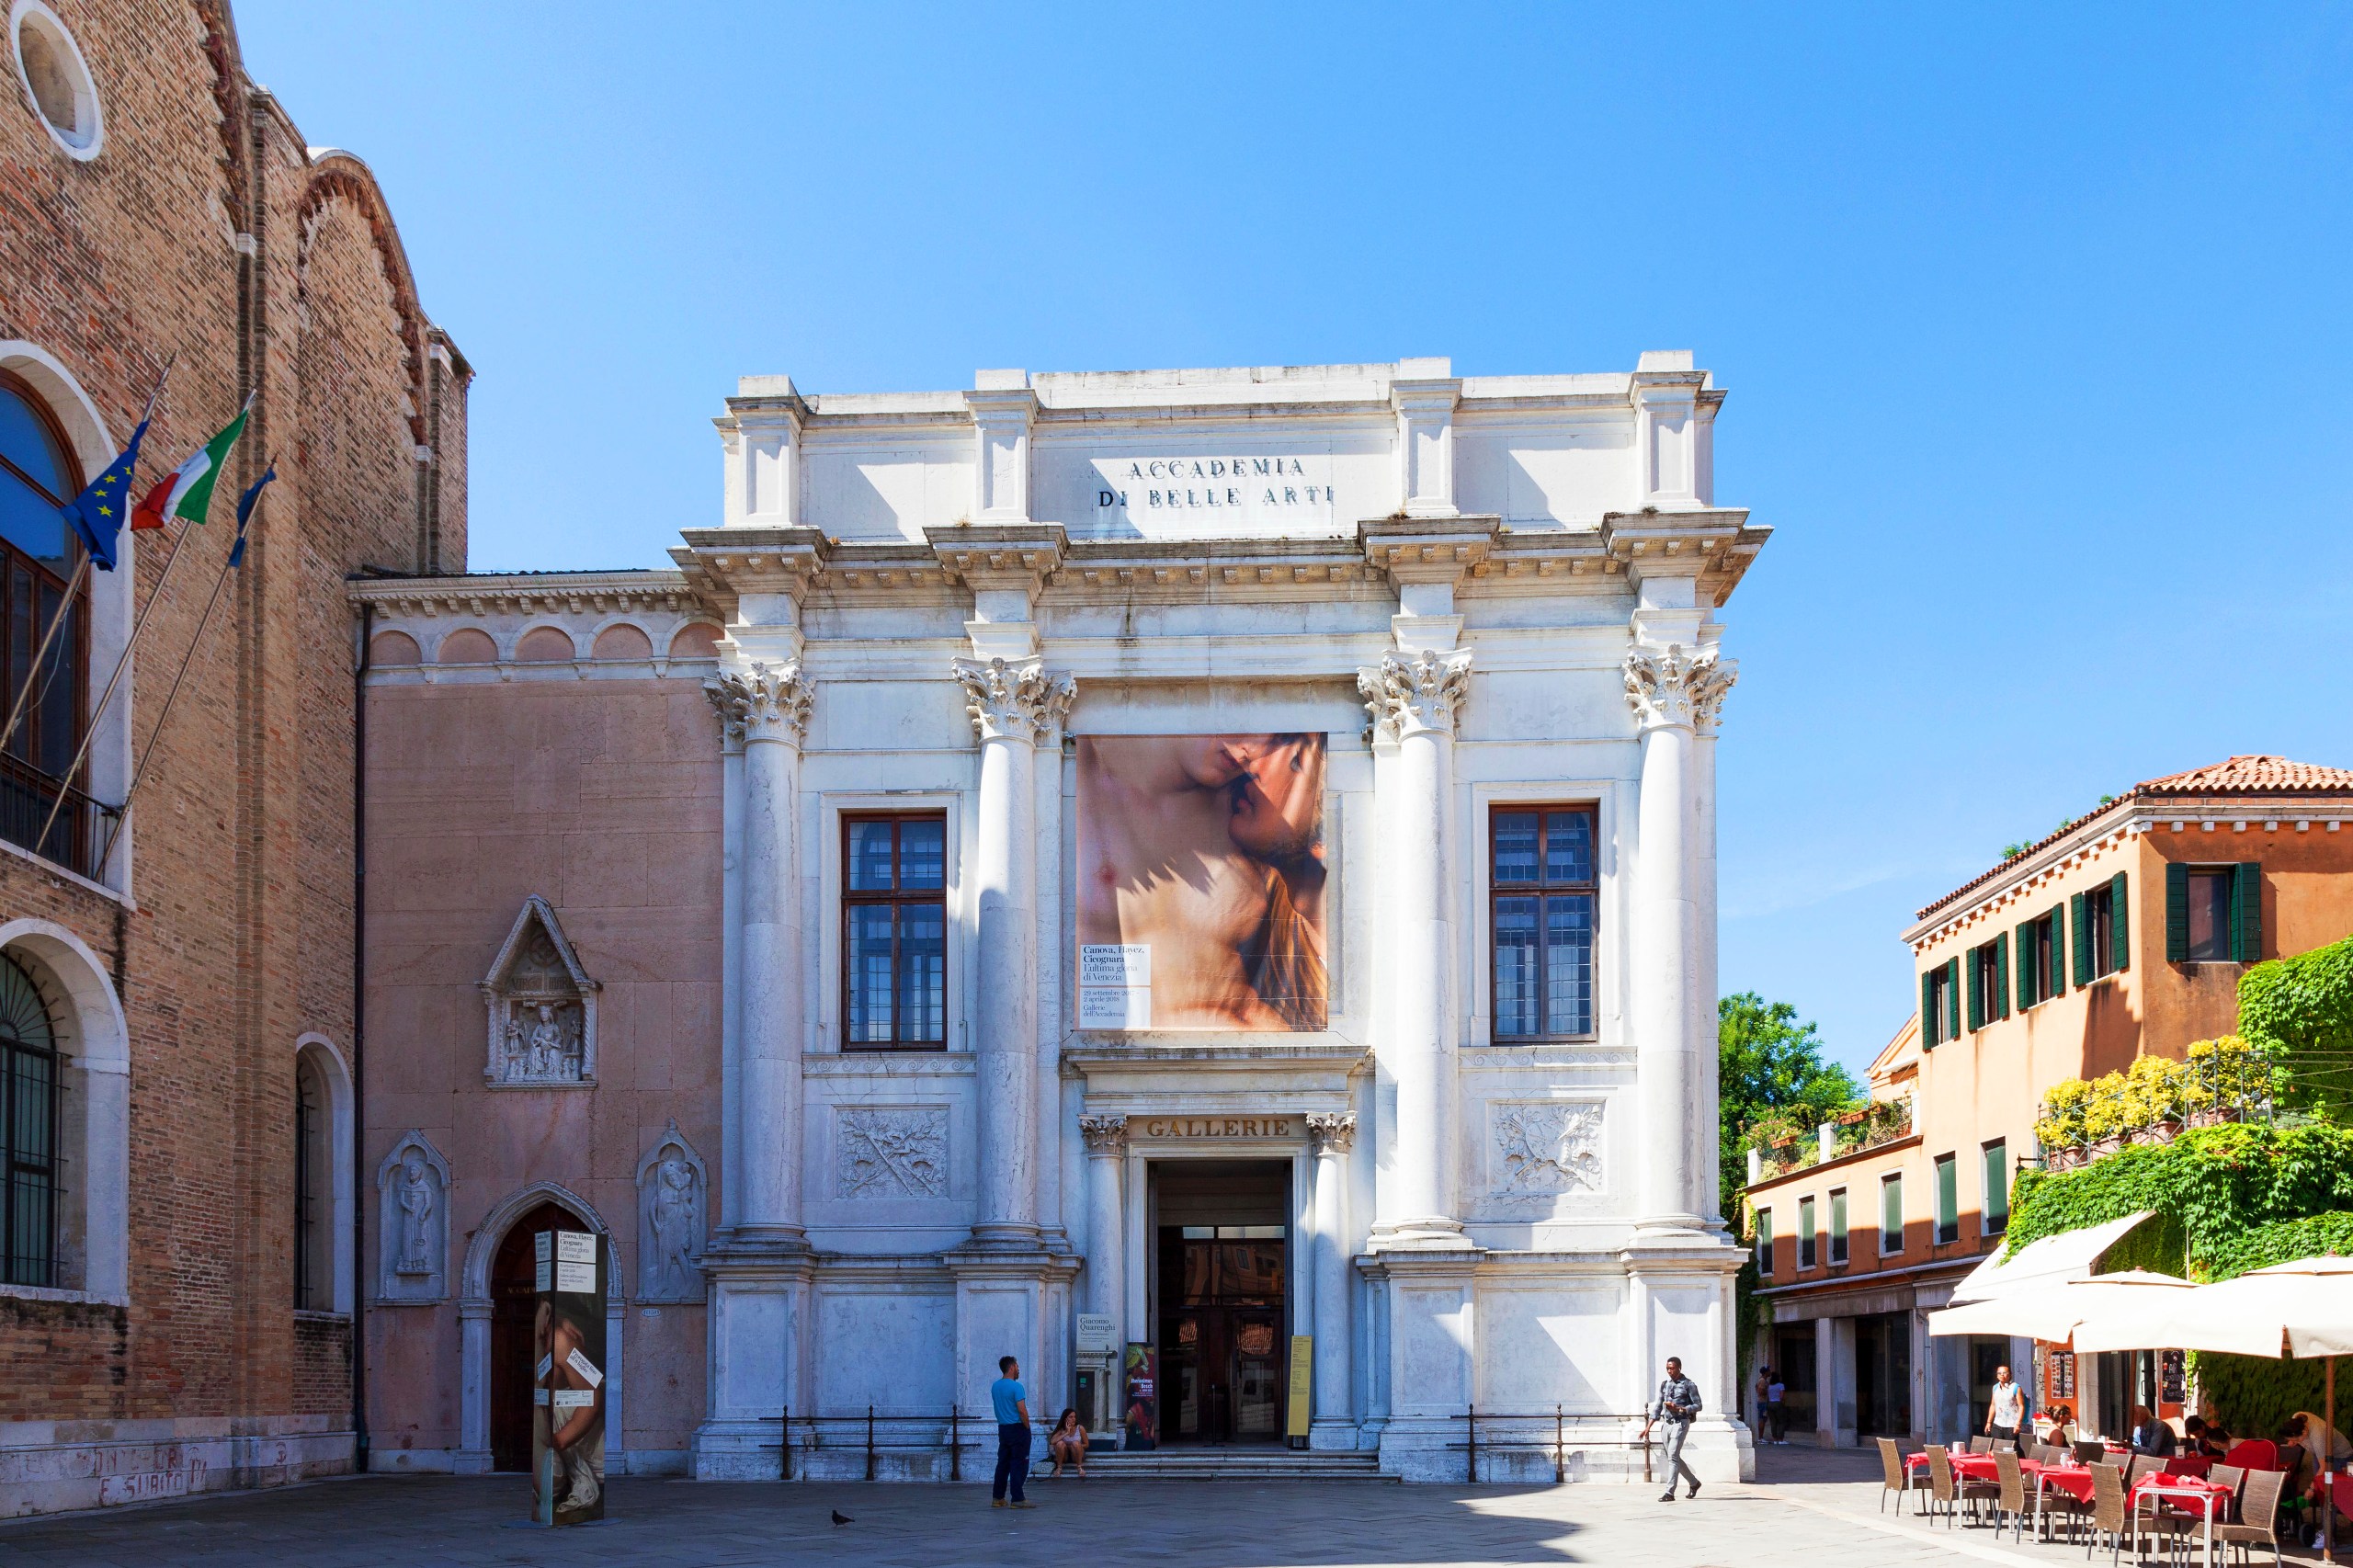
2074, 1480
2208, 1496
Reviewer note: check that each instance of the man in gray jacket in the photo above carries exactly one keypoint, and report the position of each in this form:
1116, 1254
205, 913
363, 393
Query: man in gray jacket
1677, 1402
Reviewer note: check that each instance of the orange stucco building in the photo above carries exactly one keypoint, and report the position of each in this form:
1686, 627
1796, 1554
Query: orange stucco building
2122, 934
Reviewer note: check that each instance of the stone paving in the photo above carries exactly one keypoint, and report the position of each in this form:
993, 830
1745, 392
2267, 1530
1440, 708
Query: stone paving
1810, 1508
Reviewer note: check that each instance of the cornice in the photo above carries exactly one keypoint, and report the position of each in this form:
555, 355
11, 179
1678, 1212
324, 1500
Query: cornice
526, 593
724, 563
985, 556
1429, 549
1713, 544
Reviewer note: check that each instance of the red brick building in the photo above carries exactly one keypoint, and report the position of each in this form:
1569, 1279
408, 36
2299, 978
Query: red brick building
177, 1276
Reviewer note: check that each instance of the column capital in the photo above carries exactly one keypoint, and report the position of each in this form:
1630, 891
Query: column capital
1331, 1134
1105, 1135
1410, 694
763, 702
1015, 698
1667, 687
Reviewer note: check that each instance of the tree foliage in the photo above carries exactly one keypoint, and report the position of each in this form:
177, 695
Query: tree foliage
1767, 1062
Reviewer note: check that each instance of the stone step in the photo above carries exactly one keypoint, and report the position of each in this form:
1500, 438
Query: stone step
1235, 1464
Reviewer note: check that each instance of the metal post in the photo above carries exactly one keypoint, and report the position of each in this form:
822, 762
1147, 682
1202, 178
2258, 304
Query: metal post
1559, 1473
955, 1447
870, 1442
1470, 1447
784, 1438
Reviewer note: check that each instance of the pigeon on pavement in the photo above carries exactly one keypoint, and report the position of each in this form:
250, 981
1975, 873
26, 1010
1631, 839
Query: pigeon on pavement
841, 1518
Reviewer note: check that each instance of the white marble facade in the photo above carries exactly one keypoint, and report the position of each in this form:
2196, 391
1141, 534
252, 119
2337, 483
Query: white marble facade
1479, 591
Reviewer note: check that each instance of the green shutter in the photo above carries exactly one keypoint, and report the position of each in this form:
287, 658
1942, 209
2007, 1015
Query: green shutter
2027, 999
2058, 918
2120, 921
2246, 913
1952, 1000
1929, 1019
1976, 989
2083, 941
2002, 975
2178, 913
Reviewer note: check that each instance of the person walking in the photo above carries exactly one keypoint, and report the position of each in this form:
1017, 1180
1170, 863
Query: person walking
2005, 1412
1764, 1405
1677, 1402
1775, 1394
1012, 1402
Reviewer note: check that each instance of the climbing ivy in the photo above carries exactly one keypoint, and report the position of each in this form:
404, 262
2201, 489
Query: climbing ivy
2207, 1186
2281, 1240
2249, 1393
2301, 1009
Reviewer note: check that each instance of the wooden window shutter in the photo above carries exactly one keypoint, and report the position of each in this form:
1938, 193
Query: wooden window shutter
2246, 913
1976, 971
2002, 975
1929, 1018
2083, 941
2027, 999
2058, 918
2120, 921
1952, 1000
2178, 913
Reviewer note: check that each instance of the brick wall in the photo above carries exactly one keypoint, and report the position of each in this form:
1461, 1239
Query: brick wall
239, 939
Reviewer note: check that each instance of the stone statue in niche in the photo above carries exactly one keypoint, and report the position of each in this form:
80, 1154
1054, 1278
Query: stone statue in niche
891, 1154
670, 1183
543, 1007
1550, 1146
413, 1220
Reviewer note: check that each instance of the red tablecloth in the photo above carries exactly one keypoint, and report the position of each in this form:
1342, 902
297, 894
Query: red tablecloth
2189, 1464
2187, 1492
1976, 1467
2074, 1480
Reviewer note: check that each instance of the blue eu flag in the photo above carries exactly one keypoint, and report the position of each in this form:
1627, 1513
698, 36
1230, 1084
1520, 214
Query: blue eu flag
97, 515
245, 513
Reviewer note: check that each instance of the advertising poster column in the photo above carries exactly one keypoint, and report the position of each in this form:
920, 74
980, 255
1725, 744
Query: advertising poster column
1142, 1397
568, 1379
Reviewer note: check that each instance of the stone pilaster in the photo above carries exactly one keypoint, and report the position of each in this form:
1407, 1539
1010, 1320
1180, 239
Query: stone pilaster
1333, 1426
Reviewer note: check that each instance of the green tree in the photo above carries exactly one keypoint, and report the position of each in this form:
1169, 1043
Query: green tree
1766, 1061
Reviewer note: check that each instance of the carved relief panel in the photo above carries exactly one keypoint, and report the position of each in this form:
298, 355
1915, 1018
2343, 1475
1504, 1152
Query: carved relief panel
891, 1152
671, 1188
413, 1220
543, 1007
1544, 1148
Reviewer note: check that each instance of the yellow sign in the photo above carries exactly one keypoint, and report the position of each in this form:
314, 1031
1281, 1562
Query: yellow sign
1303, 1379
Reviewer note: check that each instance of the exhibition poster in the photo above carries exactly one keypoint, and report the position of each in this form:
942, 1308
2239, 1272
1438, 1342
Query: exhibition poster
568, 1378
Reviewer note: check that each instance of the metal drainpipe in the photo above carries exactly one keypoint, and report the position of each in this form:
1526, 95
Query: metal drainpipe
360, 1037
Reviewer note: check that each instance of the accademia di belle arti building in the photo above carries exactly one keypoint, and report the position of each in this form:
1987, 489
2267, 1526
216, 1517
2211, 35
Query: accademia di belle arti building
1221, 855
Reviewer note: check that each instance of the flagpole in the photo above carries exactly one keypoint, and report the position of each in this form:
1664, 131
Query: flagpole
57, 622
90, 732
237, 549
123, 812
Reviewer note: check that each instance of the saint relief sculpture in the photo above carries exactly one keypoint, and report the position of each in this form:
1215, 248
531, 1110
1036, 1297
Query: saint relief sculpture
670, 1185
543, 1007
416, 1218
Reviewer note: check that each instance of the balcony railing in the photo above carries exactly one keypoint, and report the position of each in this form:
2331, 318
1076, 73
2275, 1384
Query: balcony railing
79, 831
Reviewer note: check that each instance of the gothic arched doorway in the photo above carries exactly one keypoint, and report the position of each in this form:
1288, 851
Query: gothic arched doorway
513, 1300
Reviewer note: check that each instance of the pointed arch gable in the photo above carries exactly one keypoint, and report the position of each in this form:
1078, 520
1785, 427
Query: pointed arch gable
482, 1248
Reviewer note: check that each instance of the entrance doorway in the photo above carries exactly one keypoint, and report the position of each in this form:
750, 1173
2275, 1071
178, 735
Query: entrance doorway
1221, 1294
1884, 1374
514, 1301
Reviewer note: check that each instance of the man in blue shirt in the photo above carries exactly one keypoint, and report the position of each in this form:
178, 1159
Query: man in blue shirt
1012, 1434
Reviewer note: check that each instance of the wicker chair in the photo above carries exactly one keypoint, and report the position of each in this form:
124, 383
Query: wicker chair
2142, 1465
1981, 1445
2050, 1453
1893, 1477
2111, 1513
2258, 1516
2019, 1497
1952, 1489
2233, 1478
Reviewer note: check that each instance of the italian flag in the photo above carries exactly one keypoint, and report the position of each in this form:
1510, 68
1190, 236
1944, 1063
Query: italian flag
187, 491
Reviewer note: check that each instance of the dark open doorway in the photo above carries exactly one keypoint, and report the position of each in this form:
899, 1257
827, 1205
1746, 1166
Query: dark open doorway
514, 1298
1223, 1258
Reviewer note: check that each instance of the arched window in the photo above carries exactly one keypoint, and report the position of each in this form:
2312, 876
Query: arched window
28, 1132
37, 555
314, 1189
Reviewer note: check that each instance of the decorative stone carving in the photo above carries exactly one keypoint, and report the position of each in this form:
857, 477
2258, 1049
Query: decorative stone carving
541, 1006
1103, 1135
900, 1153
1667, 685
671, 1185
1408, 694
413, 1188
1331, 1134
765, 702
1015, 698
1548, 1146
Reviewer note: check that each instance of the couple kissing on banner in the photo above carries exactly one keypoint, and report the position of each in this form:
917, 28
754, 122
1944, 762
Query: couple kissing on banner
1201, 883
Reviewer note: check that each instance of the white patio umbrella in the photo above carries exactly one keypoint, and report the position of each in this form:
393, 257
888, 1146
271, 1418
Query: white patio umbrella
2301, 1309
2054, 1312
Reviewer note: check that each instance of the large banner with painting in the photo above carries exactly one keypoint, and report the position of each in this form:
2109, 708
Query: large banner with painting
1201, 883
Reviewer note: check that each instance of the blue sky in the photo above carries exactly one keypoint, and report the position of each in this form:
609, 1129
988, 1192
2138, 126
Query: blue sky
2033, 319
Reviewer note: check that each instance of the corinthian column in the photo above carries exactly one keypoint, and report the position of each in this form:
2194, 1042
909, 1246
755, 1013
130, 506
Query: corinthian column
1333, 1426
1015, 705
1413, 700
1107, 1152
769, 705
1672, 693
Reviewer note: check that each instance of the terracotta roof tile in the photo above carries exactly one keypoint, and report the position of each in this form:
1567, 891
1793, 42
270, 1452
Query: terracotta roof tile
2236, 776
